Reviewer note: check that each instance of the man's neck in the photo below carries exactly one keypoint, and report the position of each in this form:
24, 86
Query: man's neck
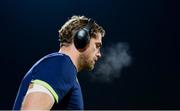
72, 53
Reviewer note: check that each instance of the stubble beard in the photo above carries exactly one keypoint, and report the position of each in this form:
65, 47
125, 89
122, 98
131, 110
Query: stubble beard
85, 63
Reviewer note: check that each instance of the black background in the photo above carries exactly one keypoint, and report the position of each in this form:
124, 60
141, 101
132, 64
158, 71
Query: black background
29, 30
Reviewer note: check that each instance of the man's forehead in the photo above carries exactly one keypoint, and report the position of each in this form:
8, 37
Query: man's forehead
98, 38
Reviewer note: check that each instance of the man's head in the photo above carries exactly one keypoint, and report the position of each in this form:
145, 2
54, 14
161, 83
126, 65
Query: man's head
89, 54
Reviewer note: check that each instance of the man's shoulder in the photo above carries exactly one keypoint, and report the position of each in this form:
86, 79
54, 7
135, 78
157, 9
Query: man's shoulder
55, 55
54, 61
54, 58
54, 64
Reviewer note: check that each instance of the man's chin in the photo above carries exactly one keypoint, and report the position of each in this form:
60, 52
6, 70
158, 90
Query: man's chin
90, 67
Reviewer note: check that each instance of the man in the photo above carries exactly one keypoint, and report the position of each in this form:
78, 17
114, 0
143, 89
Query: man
52, 81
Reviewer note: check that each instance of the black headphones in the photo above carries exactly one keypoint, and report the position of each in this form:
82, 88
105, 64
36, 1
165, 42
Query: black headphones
82, 36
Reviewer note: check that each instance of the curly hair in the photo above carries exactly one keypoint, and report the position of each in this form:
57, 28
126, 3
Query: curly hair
73, 24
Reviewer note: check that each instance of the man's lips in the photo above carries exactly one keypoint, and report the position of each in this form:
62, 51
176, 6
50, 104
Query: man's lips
95, 60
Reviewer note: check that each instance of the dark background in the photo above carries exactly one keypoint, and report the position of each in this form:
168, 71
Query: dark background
29, 30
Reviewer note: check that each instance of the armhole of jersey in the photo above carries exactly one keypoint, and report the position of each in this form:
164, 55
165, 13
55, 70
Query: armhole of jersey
46, 85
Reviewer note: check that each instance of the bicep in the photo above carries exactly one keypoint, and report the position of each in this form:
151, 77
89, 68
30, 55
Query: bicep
37, 99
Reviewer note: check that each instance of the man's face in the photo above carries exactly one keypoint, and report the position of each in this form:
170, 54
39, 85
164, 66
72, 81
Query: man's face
89, 57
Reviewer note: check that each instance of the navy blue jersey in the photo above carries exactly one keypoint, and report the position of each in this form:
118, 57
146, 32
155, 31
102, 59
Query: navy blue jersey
58, 74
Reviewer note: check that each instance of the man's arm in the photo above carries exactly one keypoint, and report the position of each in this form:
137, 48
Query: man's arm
38, 98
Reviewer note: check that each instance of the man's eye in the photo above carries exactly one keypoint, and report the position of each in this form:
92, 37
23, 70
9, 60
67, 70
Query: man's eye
98, 45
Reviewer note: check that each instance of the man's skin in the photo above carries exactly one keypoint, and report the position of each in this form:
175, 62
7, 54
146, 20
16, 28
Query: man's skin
81, 60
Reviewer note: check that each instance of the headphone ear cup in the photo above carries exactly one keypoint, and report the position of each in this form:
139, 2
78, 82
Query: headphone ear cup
81, 38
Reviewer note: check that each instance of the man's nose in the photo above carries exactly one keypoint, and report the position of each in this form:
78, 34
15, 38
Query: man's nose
98, 55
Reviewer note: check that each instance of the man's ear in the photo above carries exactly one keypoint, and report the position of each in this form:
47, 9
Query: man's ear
84, 49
